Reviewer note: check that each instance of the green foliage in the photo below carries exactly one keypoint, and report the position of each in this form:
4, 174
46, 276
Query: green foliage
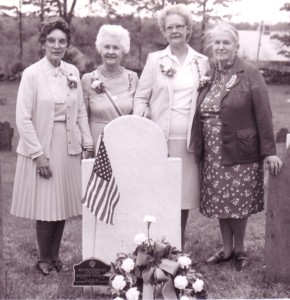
284, 39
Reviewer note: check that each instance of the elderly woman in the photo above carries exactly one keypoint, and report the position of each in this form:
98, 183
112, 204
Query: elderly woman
167, 94
53, 126
232, 135
112, 43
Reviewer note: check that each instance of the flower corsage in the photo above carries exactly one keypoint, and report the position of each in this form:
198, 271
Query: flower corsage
204, 82
72, 81
166, 67
98, 86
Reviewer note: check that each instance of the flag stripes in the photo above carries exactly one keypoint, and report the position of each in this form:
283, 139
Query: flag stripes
102, 194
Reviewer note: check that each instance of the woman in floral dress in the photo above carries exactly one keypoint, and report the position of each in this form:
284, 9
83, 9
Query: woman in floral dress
167, 93
233, 137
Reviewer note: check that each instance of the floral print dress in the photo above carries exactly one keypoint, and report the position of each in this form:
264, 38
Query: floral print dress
226, 191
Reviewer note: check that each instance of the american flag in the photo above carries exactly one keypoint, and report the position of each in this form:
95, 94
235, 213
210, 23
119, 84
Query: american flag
102, 194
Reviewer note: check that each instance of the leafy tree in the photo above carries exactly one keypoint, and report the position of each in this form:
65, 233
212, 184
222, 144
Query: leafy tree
207, 10
285, 38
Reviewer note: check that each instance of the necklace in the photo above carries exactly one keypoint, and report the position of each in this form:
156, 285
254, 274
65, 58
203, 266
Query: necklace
111, 75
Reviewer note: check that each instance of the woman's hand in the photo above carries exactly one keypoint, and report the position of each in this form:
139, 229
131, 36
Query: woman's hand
87, 153
273, 163
143, 112
42, 167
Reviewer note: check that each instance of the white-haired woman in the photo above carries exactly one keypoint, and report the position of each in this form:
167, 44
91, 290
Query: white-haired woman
112, 43
232, 135
167, 93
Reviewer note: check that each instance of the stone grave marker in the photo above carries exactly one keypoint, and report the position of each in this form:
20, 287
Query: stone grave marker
149, 183
277, 243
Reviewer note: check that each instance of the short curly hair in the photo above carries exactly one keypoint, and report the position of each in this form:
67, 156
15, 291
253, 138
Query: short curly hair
178, 9
51, 24
117, 31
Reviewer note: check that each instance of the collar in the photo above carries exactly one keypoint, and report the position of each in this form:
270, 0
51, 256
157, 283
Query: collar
51, 68
191, 53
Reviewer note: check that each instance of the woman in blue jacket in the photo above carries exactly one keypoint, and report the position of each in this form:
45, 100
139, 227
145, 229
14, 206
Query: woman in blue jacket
232, 135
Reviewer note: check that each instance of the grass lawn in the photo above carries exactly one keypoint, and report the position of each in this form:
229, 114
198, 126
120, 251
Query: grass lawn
22, 281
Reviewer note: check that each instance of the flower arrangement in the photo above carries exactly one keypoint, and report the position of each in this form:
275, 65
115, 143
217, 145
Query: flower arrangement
154, 270
166, 67
72, 81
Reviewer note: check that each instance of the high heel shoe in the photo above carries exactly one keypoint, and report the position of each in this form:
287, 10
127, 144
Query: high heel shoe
219, 257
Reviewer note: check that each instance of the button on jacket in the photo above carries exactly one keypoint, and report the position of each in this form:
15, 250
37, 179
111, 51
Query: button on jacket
35, 111
247, 128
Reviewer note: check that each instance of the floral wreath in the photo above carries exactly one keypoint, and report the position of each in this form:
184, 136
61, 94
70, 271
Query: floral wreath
155, 269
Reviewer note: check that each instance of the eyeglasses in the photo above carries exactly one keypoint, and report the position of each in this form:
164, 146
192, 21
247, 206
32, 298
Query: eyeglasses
51, 42
178, 27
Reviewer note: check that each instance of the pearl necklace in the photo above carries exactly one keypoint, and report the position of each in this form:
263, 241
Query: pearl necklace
111, 75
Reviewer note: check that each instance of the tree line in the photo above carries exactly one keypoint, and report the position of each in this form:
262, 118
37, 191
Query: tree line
19, 29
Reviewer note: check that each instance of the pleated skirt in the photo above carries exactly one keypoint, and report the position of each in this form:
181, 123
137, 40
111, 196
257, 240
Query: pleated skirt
190, 173
53, 199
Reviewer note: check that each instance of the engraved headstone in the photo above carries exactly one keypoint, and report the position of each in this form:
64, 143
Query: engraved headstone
149, 183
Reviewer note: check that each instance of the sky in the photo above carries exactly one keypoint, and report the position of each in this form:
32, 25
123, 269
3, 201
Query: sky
243, 10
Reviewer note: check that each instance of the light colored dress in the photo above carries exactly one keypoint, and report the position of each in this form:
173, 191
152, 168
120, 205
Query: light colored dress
100, 110
49, 117
226, 191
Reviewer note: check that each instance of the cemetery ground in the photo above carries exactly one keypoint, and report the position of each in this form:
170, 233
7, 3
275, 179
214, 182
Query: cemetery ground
22, 281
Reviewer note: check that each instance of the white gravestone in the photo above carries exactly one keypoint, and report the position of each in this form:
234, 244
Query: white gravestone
149, 183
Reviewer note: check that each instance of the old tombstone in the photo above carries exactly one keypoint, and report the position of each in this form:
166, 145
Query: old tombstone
281, 135
277, 243
6, 135
149, 183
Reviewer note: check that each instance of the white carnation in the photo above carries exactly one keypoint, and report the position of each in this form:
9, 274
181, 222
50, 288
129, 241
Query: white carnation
128, 264
96, 83
180, 282
198, 285
118, 283
184, 262
139, 238
132, 294
149, 219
